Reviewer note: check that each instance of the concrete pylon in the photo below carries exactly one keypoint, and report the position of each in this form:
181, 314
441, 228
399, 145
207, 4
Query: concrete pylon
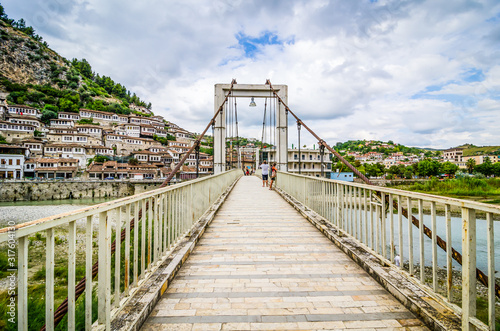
248, 91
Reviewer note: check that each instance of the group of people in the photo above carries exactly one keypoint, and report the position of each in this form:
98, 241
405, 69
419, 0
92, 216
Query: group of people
247, 171
265, 174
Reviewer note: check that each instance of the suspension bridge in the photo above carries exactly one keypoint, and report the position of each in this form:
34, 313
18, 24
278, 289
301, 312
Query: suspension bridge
225, 253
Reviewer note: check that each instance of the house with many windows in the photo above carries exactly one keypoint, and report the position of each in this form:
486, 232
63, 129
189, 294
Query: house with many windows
12, 159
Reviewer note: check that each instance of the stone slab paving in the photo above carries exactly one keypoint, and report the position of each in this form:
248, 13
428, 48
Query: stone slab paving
262, 266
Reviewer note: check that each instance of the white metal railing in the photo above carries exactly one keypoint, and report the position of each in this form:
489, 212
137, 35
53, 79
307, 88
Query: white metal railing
160, 219
383, 220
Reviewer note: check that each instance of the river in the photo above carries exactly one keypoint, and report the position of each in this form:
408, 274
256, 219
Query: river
25, 211
456, 240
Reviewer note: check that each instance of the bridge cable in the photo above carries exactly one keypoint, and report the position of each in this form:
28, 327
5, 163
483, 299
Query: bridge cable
238, 164
298, 136
263, 130
480, 275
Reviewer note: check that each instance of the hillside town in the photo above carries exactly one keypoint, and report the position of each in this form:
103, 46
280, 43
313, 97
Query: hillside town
93, 145
391, 156
99, 145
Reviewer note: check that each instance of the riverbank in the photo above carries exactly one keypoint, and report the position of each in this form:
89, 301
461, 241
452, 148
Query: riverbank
25, 211
57, 190
486, 190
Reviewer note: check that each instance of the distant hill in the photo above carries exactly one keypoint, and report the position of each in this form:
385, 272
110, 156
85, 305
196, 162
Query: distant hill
470, 150
33, 74
365, 146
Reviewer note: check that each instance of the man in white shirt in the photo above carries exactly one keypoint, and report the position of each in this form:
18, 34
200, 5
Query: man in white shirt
265, 173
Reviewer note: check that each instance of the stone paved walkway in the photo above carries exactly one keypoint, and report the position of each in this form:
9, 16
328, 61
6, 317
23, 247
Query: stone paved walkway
262, 266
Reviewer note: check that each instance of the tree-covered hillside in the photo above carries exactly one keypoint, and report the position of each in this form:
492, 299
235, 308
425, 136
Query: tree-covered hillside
33, 74
365, 146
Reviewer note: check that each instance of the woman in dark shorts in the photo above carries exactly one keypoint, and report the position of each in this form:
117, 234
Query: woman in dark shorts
274, 171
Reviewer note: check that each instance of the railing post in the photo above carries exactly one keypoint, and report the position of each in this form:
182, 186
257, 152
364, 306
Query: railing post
338, 208
143, 237
378, 222
434, 247
88, 273
136, 243
22, 299
372, 223
365, 218
491, 271
468, 267
71, 274
421, 237
383, 226
449, 273
104, 275
127, 249
391, 226
400, 234
49, 280
410, 235
118, 246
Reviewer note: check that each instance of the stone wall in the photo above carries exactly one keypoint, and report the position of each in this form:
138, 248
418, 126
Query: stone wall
54, 190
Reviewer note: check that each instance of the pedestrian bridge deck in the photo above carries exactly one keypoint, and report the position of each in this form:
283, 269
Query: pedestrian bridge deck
261, 265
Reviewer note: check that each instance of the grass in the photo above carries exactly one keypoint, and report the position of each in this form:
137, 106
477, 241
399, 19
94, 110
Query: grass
467, 187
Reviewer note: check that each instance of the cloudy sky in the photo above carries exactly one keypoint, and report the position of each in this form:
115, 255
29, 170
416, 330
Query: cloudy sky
420, 73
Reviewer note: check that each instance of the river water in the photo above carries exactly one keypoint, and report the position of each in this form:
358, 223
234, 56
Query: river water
456, 241
25, 211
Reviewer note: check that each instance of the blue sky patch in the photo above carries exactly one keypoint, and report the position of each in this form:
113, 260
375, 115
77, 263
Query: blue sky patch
473, 75
253, 45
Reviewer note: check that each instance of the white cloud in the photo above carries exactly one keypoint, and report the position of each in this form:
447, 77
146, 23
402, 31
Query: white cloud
355, 69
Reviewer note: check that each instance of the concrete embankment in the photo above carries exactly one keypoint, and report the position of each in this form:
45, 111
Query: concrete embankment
51, 190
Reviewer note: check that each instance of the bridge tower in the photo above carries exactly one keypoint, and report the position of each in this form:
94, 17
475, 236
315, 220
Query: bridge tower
248, 91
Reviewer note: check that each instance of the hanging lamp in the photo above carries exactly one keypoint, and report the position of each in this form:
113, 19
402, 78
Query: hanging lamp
252, 103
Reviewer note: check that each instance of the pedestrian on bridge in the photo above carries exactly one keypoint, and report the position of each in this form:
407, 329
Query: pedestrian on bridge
265, 173
274, 171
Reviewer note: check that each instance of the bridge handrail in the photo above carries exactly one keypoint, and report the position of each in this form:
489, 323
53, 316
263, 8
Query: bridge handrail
350, 207
27, 228
161, 216
487, 208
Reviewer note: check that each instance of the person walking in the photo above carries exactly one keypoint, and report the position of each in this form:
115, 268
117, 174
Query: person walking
265, 172
274, 171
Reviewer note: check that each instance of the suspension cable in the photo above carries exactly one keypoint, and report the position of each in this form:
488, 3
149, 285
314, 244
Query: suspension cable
481, 276
263, 129
237, 136
197, 142
298, 135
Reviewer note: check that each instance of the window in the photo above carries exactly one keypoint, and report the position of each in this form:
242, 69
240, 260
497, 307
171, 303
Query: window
310, 157
10, 161
18, 162
303, 157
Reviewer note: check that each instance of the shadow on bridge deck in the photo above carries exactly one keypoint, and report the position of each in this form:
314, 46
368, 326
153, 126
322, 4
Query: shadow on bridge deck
261, 265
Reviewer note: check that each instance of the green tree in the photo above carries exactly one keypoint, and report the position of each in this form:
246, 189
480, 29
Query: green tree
51, 107
133, 161
486, 168
496, 169
428, 167
98, 159
470, 164
449, 168
47, 115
